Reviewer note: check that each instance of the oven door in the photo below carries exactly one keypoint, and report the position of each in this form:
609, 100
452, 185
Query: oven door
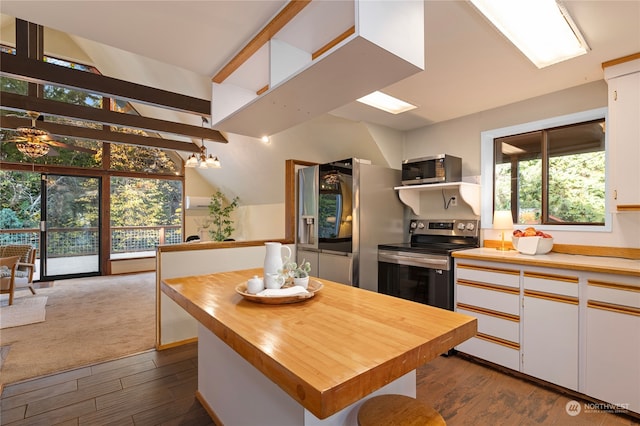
423, 285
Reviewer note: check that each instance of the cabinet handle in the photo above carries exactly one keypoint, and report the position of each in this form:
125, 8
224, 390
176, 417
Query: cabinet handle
485, 311
615, 95
492, 287
487, 269
553, 277
627, 310
551, 297
614, 286
499, 341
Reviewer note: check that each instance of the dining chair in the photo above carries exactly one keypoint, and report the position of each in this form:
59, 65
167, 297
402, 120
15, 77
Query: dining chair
8, 267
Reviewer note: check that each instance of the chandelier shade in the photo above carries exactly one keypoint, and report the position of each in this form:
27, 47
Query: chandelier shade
33, 149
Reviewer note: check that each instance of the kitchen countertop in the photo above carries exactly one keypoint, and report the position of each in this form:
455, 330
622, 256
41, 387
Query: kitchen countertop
329, 351
612, 265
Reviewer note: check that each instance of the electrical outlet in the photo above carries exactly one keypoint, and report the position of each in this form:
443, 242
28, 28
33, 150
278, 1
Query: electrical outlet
454, 201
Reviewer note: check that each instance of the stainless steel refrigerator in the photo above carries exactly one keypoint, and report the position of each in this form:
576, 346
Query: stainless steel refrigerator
345, 209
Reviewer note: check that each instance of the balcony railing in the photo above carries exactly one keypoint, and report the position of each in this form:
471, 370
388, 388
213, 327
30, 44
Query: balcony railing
65, 242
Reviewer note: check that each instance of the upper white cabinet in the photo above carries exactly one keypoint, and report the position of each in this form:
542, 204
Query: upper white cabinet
329, 54
469, 192
624, 132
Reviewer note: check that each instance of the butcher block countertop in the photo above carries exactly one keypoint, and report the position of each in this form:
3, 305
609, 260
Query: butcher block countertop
612, 265
328, 351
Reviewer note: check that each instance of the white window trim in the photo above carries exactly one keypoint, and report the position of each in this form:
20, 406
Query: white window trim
486, 162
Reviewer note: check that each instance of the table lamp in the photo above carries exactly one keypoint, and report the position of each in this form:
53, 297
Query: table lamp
502, 220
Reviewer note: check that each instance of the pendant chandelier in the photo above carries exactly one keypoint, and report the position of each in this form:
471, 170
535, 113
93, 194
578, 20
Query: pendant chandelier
201, 160
32, 141
33, 148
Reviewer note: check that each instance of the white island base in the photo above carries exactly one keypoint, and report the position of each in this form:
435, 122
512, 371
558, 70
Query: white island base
239, 394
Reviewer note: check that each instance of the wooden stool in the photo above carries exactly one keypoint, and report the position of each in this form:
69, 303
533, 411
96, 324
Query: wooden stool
397, 410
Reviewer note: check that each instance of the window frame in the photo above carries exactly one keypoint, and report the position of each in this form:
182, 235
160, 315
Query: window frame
487, 165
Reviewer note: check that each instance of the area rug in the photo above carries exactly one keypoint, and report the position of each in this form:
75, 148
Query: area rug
25, 310
89, 320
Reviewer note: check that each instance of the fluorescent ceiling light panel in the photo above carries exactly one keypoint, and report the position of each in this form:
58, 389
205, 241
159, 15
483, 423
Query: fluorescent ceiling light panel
386, 103
541, 29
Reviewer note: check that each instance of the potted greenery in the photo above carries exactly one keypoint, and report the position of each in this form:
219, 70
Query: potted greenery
299, 274
221, 216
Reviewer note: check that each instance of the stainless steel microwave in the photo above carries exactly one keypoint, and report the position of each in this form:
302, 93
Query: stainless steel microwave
435, 169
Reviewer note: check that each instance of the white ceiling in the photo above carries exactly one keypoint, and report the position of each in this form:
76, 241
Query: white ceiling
469, 66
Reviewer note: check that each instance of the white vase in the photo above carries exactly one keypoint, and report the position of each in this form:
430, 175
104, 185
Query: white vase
302, 282
273, 258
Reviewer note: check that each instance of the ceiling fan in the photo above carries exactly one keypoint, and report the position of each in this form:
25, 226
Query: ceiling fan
35, 142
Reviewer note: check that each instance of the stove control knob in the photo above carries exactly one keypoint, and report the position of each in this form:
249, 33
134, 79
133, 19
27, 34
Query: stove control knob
413, 225
470, 226
461, 226
420, 225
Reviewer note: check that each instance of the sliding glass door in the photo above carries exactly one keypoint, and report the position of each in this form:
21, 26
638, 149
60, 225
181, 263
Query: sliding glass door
70, 227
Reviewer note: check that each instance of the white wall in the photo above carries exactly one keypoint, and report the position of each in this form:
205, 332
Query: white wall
461, 137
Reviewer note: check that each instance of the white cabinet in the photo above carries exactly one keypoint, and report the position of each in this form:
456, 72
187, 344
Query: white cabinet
550, 328
574, 328
613, 342
623, 127
492, 295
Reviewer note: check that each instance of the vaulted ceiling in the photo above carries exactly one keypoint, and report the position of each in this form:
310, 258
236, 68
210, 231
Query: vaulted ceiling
469, 66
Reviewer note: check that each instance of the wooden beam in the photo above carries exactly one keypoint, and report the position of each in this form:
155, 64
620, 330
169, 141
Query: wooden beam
43, 73
100, 134
276, 24
45, 106
333, 42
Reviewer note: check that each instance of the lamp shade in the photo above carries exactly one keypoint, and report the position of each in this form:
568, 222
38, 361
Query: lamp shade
502, 219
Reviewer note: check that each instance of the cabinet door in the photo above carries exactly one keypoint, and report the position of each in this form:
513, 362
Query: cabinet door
624, 134
613, 357
550, 340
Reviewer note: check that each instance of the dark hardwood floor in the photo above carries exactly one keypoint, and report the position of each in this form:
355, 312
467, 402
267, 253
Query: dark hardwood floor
158, 388
151, 388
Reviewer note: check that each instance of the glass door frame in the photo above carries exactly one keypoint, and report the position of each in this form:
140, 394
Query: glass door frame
44, 275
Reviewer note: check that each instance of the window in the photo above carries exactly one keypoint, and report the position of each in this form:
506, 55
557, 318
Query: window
549, 173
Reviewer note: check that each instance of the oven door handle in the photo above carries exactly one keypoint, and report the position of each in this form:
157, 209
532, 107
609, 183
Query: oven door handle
421, 262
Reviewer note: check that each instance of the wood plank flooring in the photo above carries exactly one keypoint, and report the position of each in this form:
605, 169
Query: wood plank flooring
158, 388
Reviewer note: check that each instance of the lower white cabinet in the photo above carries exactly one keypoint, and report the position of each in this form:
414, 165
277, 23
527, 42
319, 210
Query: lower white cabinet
550, 328
492, 295
613, 343
574, 328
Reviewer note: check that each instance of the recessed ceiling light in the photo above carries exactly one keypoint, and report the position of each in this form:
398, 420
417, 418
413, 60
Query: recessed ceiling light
265, 140
386, 103
541, 29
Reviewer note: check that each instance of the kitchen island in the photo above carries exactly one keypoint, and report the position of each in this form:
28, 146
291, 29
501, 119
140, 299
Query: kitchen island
311, 362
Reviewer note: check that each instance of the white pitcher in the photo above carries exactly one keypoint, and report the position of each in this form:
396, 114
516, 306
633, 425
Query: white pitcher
273, 258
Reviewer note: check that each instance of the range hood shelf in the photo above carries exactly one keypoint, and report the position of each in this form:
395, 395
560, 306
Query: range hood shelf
469, 192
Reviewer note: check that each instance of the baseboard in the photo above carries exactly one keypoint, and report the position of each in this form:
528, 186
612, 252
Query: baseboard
208, 409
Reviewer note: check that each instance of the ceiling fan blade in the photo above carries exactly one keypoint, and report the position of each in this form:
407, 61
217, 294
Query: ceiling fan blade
71, 147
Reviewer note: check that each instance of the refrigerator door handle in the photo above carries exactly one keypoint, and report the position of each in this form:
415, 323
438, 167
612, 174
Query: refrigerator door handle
335, 253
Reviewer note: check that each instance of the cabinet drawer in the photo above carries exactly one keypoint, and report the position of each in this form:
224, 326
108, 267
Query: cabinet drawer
563, 285
494, 325
492, 352
492, 299
489, 275
624, 295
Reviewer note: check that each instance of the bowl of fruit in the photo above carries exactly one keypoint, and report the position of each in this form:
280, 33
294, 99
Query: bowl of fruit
532, 241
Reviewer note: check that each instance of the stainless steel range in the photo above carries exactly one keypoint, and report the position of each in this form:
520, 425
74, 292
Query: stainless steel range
422, 270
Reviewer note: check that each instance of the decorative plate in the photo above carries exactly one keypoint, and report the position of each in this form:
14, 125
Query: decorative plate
312, 289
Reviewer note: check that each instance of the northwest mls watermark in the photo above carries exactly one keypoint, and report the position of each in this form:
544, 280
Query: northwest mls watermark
574, 408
